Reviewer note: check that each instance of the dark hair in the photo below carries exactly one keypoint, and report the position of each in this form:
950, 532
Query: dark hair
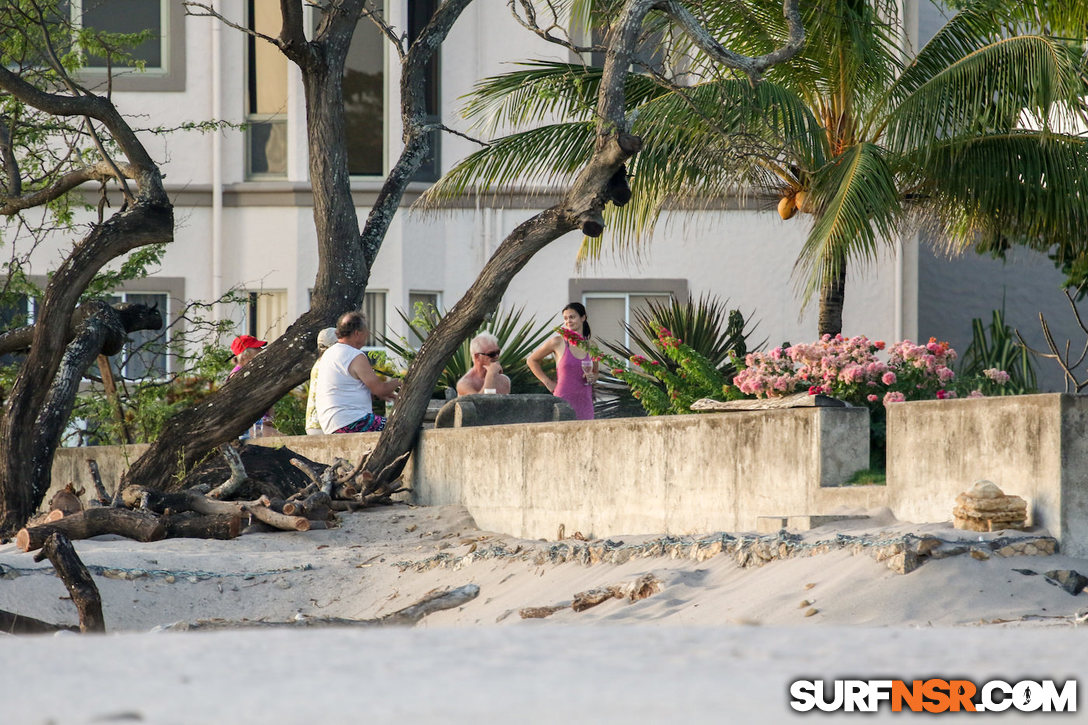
581, 310
350, 322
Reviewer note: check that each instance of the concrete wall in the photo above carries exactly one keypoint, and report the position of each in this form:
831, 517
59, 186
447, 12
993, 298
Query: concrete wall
1034, 446
701, 473
676, 475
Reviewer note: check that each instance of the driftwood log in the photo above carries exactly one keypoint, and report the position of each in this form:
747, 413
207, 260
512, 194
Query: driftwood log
12, 623
191, 525
60, 552
433, 601
94, 522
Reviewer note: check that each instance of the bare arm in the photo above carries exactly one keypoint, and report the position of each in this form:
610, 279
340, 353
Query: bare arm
361, 369
537, 357
465, 386
495, 380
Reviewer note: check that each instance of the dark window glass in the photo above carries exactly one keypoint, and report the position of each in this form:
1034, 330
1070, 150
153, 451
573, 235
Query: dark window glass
127, 16
364, 100
419, 13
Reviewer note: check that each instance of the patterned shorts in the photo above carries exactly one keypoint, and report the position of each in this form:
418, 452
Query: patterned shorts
366, 424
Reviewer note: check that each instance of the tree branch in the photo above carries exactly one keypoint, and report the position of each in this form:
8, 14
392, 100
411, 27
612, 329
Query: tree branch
61, 186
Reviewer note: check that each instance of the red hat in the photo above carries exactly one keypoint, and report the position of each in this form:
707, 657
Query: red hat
244, 342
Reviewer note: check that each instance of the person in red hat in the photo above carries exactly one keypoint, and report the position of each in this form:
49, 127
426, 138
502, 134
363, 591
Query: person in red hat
245, 348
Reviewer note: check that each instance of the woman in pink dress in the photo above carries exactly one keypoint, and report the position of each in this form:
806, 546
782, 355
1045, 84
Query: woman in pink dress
575, 369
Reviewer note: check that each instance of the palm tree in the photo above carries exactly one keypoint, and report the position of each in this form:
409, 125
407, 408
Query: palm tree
973, 139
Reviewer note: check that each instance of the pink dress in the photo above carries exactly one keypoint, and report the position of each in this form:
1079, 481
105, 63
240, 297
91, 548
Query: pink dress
572, 386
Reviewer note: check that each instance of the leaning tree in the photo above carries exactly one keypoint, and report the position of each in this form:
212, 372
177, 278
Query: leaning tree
346, 251
581, 207
55, 135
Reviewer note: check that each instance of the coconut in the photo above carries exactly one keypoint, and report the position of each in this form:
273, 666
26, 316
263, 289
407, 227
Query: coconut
804, 201
786, 207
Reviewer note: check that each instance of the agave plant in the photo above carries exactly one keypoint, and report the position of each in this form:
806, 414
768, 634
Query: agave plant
517, 338
706, 325
976, 136
996, 346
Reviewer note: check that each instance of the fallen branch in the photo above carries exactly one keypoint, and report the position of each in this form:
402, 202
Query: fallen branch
192, 525
433, 601
60, 552
94, 522
104, 498
12, 623
278, 520
237, 474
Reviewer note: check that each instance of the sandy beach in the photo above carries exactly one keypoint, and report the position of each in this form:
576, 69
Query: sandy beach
714, 640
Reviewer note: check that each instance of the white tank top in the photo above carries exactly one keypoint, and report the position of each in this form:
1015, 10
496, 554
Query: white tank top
341, 397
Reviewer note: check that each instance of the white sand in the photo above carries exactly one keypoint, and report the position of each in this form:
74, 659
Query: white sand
716, 643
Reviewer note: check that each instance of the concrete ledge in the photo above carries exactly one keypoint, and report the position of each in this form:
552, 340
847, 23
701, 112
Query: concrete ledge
1034, 446
474, 410
670, 474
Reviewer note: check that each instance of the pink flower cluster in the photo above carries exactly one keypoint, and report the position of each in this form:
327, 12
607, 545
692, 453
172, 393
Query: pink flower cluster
849, 369
820, 367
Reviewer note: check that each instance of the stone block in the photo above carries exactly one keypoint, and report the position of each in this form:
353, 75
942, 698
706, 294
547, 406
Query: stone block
478, 410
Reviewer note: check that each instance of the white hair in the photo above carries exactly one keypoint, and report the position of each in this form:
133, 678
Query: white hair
477, 342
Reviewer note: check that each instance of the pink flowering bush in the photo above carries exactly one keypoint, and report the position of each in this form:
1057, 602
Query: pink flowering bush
849, 369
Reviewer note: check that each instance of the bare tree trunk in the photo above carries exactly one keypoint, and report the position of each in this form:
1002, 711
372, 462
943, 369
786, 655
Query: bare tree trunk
832, 294
44, 392
345, 255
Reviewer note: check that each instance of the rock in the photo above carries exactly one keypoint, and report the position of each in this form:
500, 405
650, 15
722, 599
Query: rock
979, 554
811, 612
1068, 579
1026, 572
986, 508
1043, 546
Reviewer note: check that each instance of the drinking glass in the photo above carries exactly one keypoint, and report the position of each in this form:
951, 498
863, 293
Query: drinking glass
587, 370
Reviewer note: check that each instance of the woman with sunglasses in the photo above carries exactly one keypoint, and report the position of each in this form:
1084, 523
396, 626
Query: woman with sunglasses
575, 369
485, 375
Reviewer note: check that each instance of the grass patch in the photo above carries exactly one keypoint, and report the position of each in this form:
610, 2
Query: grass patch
868, 477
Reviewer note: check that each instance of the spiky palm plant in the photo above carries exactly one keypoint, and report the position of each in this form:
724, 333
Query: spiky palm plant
517, 338
975, 137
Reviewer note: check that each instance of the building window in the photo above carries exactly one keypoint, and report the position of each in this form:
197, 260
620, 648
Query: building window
364, 101
421, 303
161, 55
612, 303
374, 309
266, 98
266, 316
146, 353
419, 13
127, 16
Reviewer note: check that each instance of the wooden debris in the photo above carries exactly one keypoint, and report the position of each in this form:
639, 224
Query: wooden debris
12, 623
433, 601
103, 498
542, 612
191, 525
60, 552
136, 525
237, 473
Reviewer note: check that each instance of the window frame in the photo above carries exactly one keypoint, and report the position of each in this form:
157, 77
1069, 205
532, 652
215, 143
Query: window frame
168, 77
612, 288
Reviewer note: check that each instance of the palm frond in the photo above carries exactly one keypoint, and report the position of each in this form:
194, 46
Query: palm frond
545, 89
544, 155
1023, 187
989, 88
856, 204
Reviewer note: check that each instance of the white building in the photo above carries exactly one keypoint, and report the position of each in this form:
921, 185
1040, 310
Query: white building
244, 215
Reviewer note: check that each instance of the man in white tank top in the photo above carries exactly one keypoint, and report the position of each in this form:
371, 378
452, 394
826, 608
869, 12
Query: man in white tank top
346, 381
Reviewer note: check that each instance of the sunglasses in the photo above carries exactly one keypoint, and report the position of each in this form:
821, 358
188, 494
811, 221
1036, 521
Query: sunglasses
493, 355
